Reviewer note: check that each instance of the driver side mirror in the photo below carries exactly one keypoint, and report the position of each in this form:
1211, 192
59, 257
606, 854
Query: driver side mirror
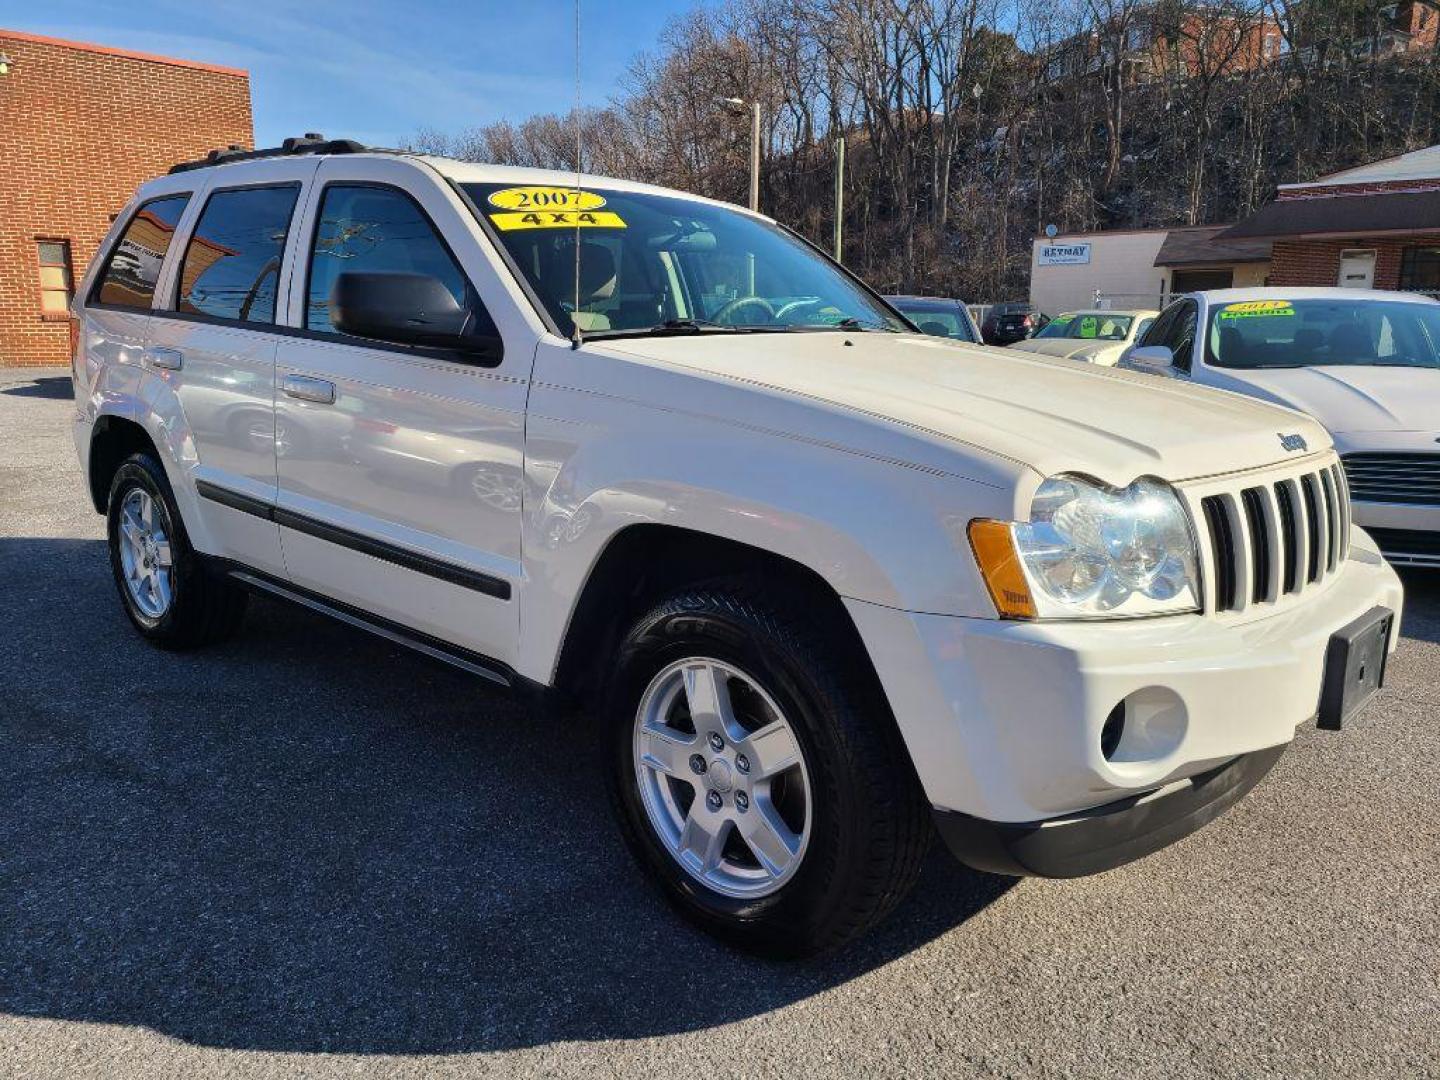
408, 309
1154, 359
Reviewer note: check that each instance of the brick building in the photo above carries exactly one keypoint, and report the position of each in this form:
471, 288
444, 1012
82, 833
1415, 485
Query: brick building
1375, 226
83, 126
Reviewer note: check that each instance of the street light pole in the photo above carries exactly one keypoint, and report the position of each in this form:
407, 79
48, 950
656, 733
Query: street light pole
755, 155
736, 104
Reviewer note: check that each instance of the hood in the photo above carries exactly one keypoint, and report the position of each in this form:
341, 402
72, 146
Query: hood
1101, 352
1349, 398
1052, 415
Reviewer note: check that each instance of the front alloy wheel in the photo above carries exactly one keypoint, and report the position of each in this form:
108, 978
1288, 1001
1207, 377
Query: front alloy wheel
756, 772
722, 778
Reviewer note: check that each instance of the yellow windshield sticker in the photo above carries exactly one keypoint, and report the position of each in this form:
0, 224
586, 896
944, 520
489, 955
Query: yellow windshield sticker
538, 197
557, 219
1257, 309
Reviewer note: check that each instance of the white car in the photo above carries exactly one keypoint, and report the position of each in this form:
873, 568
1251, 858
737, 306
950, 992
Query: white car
1095, 336
816, 583
1365, 364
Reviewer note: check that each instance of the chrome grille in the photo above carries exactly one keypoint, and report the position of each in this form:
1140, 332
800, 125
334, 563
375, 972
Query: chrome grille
1413, 479
1267, 542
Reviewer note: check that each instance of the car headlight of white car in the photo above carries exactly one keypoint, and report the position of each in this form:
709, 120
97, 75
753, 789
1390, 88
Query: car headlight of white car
1090, 551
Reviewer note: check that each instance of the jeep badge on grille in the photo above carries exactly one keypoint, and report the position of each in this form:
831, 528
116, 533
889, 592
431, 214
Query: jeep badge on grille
1292, 442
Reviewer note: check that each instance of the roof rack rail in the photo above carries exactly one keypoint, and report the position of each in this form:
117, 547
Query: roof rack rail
310, 143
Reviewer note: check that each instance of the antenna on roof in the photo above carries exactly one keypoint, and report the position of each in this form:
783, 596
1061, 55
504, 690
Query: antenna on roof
577, 337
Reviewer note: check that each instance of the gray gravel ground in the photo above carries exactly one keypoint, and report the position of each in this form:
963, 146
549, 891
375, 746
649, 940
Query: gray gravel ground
308, 852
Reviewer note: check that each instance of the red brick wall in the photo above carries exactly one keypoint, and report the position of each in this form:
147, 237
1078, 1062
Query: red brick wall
82, 126
1317, 262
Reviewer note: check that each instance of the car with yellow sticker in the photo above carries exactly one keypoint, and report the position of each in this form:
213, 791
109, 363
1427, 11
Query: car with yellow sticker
1095, 336
1364, 363
805, 585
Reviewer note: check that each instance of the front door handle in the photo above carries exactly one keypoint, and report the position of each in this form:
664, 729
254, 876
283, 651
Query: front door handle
307, 388
156, 356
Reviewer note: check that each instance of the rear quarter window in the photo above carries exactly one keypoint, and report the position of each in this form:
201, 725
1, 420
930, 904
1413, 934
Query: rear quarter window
133, 265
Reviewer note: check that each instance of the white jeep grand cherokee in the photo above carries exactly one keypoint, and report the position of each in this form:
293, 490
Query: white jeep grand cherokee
818, 579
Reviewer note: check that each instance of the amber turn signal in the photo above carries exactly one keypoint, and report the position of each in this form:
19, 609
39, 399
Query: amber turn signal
1000, 567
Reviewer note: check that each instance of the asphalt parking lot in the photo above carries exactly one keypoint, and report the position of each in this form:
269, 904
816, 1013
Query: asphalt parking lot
309, 852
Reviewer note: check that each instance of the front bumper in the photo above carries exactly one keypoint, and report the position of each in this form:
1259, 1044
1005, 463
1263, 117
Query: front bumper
1004, 720
1408, 535
1108, 836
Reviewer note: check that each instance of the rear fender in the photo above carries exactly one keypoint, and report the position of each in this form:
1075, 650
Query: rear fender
127, 391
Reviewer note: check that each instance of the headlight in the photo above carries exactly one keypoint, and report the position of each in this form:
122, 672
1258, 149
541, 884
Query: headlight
1090, 551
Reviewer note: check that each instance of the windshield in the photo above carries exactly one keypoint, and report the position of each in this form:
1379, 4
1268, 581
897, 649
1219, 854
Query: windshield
1089, 325
937, 318
1314, 333
654, 263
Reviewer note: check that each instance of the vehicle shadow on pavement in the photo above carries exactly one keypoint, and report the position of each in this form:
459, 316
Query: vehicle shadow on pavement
52, 388
310, 840
1421, 618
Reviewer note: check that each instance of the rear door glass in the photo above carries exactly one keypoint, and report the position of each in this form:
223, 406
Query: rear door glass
232, 263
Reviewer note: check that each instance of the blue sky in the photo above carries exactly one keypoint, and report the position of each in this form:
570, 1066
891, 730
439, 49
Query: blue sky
377, 70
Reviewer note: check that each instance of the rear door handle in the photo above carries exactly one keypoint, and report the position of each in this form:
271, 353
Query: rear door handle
156, 356
307, 388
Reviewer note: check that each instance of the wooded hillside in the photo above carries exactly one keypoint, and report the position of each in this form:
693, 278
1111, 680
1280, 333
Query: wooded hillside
971, 124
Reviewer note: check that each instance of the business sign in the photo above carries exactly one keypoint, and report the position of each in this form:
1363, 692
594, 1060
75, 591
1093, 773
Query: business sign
1064, 255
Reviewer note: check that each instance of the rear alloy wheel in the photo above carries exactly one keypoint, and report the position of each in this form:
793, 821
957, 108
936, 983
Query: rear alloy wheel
145, 554
172, 598
756, 771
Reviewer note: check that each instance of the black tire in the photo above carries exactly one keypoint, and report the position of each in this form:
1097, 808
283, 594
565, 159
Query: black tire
204, 607
870, 826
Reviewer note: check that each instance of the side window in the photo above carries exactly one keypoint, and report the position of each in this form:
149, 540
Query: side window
133, 266
1181, 334
379, 230
1158, 330
232, 263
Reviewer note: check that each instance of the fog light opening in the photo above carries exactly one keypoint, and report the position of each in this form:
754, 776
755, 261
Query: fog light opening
1112, 732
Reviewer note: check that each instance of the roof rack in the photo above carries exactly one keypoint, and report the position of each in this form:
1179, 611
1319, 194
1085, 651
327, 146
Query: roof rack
310, 143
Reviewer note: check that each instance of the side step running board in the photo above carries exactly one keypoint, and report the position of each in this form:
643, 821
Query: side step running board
411, 639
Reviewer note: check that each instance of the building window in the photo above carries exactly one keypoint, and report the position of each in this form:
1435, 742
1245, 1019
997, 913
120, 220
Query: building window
56, 280
1420, 269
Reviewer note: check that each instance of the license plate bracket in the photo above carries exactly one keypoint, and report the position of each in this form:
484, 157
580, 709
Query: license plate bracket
1354, 667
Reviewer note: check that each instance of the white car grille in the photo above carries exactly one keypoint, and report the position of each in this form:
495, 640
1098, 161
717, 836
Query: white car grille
1267, 539
1413, 479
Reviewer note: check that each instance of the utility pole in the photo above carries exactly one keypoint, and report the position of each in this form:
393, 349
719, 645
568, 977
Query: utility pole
839, 198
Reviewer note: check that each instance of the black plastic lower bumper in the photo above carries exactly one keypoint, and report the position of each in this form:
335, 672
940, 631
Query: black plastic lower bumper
1107, 836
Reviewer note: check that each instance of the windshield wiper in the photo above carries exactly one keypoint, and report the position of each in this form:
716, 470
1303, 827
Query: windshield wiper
848, 323
690, 326
678, 328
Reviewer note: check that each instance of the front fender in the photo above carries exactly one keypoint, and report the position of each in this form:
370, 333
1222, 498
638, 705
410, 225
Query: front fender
875, 530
